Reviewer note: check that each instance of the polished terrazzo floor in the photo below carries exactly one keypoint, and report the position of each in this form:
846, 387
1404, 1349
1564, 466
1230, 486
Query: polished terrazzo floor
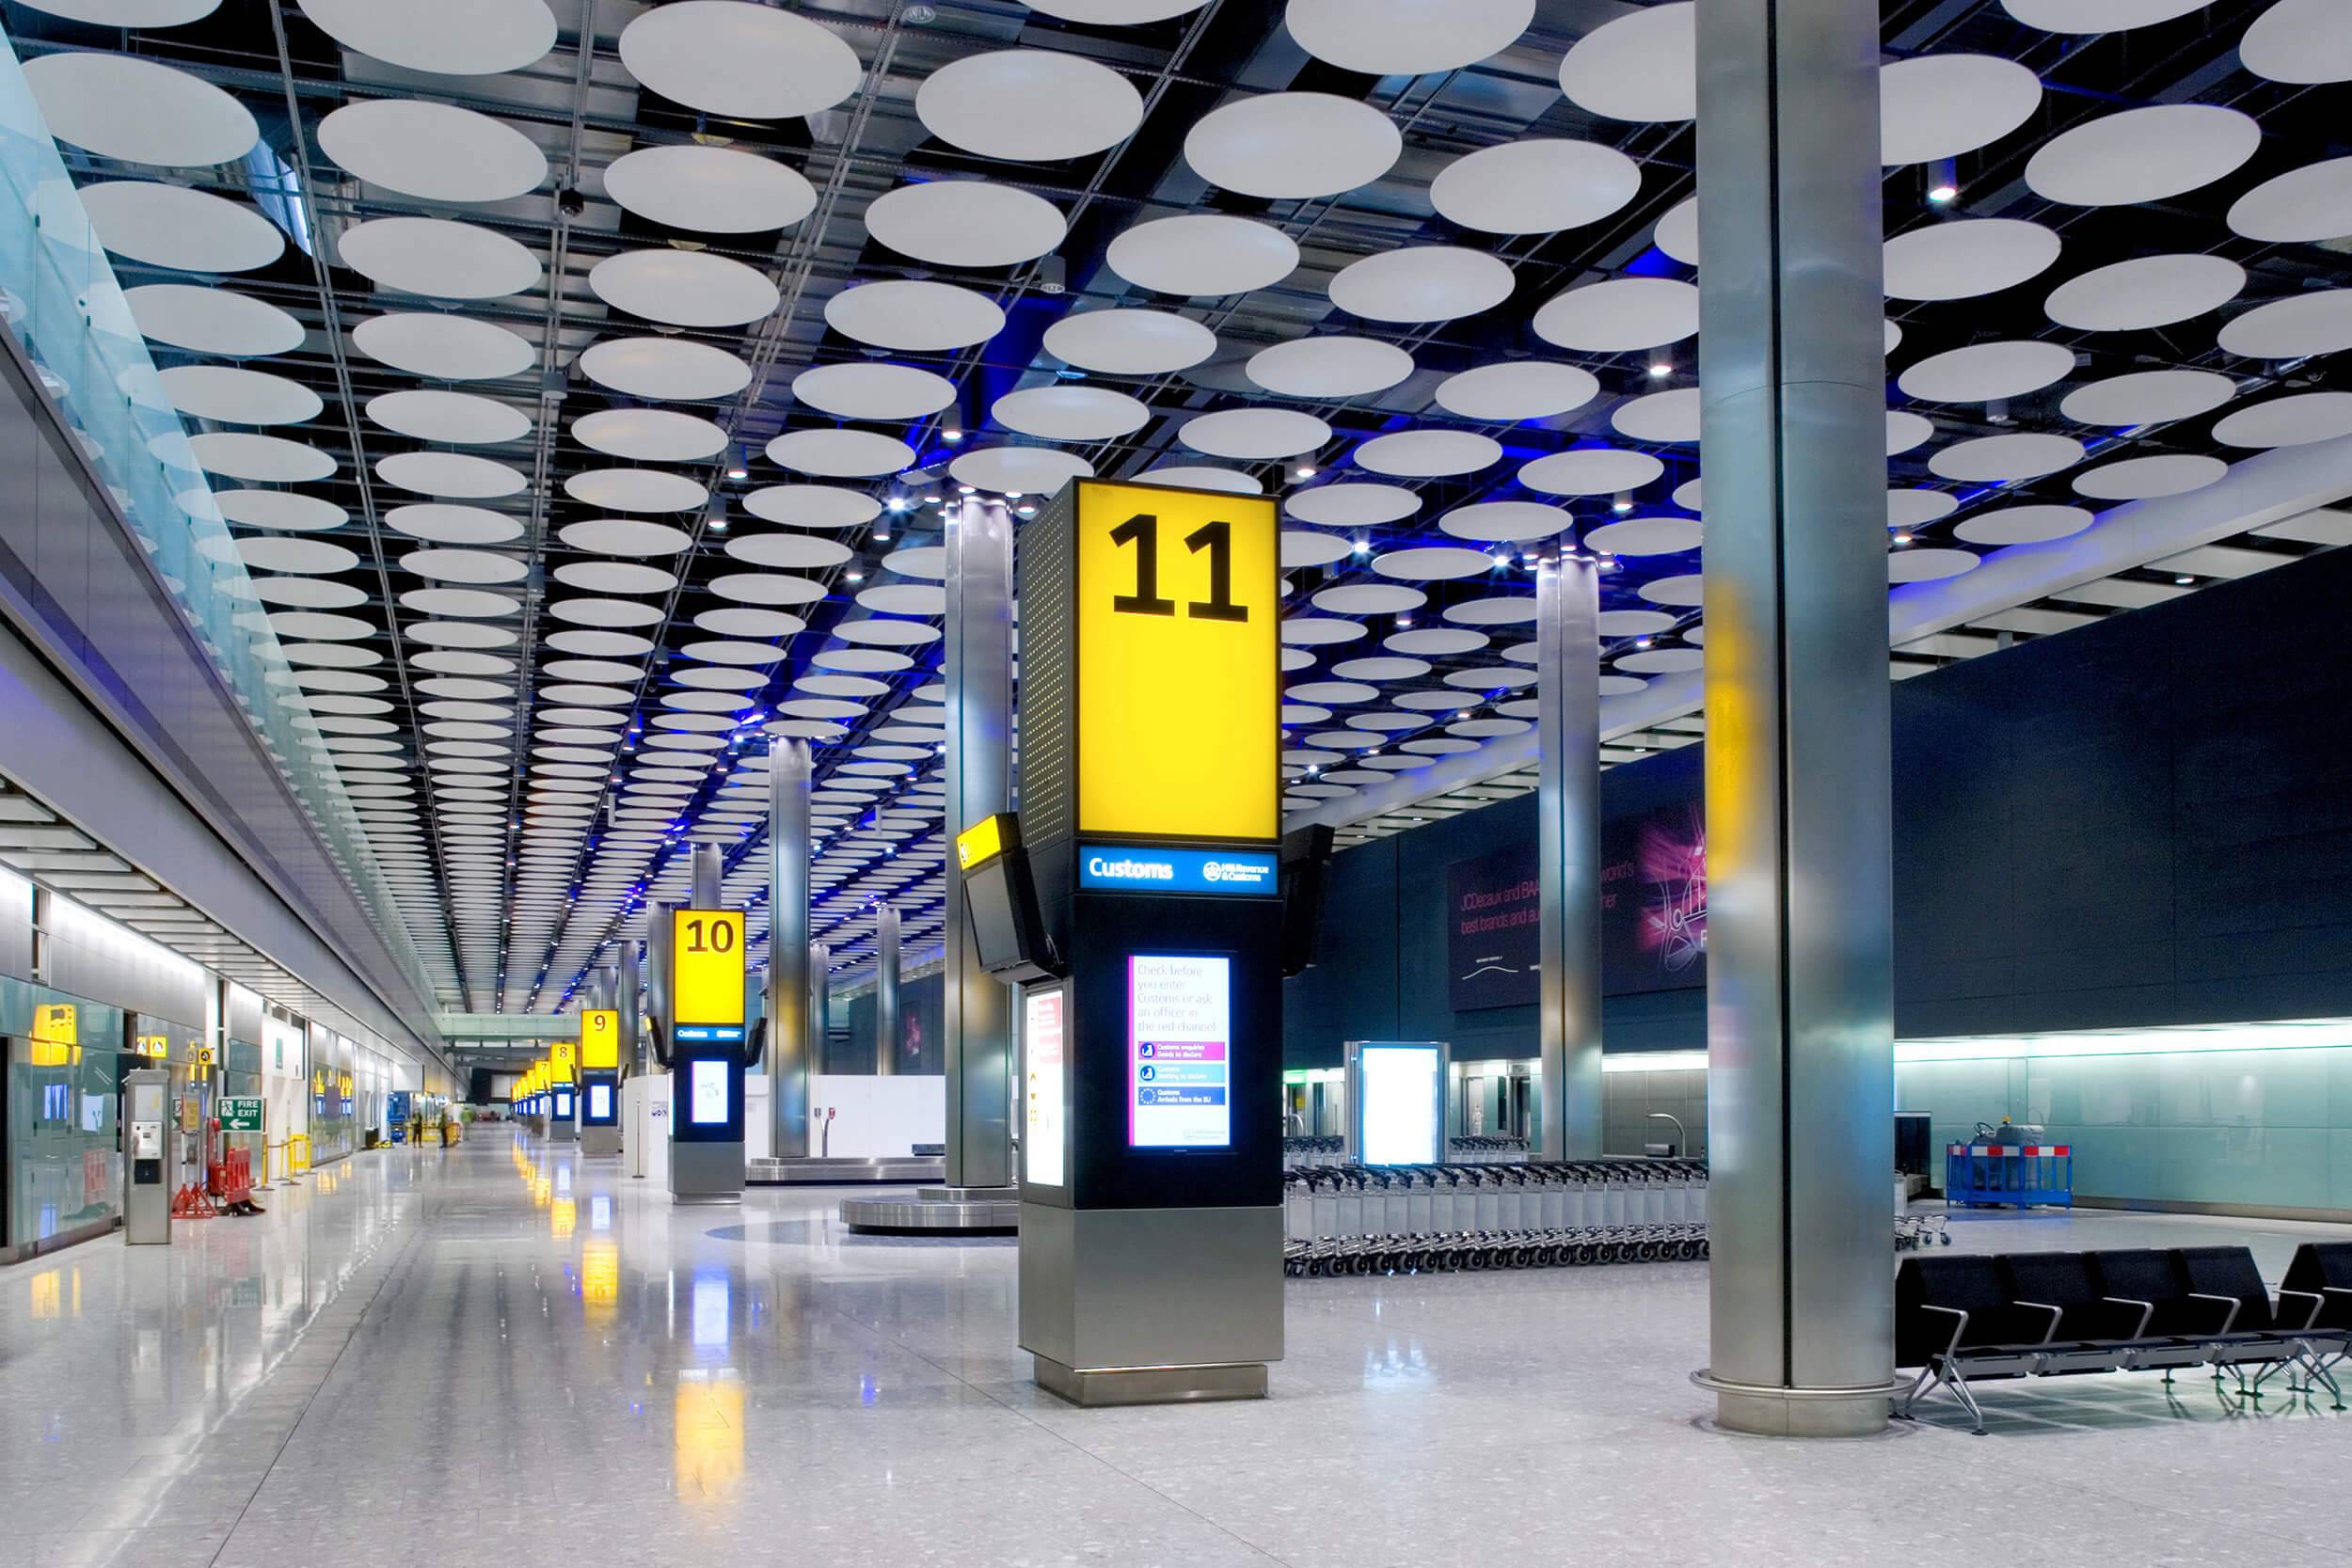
504, 1354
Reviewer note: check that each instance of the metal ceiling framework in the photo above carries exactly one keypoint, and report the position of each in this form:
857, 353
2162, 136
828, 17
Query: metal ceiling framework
514, 895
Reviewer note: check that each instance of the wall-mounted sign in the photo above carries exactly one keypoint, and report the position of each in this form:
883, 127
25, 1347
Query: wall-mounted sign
1127, 868
1179, 1036
1178, 659
240, 1113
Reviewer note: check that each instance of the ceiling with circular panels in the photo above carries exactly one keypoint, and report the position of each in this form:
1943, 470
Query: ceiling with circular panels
617, 388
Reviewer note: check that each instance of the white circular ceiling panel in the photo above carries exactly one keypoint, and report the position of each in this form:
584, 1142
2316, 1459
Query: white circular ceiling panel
966, 223
1129, 342
2142, 154
1983, 371
662, 370
1028, 105
285, 511
1352, 505
1966, 258
739, 60
1621, 314
1989, 459
457, 419
2096, 16
2148, 397
1428, 453
442, 524
1204, 255
211, 321
914, 316
1185, 477
1422, 283
2023, 525
1935, 107
683, 287
866, 390
259, 459
138, 110
1534, 187
709, 190
840, 454
2298, 41
1019, 470
649, 435
1405, 37
1678, 233
1433, 563
2288, 421
435, 151
1289, 146
234, 396
1661, 536
2145, 478
1643, 66
1928, 565
449, 474
448, 38
438, 258
2304, 324
1254, 435
1328, 367
812, 506
1670, 415
635, 490
1512, 521
443, 347
2145, 292
171, 225
2303, 205
1590, 472
129, 13
1516, 389
1070, 413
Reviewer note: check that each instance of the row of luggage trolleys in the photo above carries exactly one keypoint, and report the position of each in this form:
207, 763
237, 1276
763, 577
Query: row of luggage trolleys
1421, 1200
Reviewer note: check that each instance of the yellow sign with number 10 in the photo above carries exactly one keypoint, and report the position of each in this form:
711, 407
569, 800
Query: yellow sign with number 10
1179, 663
707, 965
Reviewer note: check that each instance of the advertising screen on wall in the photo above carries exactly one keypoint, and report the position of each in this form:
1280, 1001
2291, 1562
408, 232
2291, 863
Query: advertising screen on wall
1400, 1105
1493, 923
706, 1092
1044, 1136
1180, 1029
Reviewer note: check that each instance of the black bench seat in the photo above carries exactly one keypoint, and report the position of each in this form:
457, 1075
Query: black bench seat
1965, 1317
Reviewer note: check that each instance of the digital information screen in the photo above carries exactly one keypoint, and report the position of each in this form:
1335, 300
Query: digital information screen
562, 1104
707, 1093
600, 1102
1044, 1136
1180, 1029
1400, 1105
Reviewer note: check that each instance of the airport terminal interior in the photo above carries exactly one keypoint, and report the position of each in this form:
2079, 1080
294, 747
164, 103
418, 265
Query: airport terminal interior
862, 782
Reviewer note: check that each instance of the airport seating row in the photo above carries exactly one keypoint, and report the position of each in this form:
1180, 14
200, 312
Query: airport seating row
1964, 1317
1331, 1201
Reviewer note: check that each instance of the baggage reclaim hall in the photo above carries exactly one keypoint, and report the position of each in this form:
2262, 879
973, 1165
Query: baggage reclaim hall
846, 782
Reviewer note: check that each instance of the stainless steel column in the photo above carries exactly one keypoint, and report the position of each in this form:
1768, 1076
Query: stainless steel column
886, 993
1800, 1013
707, 867
819, 1004
979, 783
1567, 662
657, 981
787, 950
627, 997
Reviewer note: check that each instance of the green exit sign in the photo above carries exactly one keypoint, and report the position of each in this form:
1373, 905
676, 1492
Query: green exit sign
240, 1113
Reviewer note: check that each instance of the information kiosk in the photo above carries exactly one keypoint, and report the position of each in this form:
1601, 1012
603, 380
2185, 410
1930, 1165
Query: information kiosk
564, 1082
708, 1052
600, 1081
1151, 1221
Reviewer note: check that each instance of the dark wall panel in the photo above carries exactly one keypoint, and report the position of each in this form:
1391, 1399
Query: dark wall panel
2146, 821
